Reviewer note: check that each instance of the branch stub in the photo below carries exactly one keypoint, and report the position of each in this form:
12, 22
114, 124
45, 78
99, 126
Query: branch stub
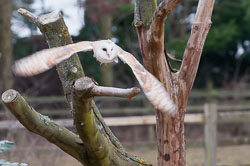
49, 18
9, 96
83, 84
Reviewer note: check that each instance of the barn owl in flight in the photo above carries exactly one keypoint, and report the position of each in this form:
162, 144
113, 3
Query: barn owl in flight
105, 51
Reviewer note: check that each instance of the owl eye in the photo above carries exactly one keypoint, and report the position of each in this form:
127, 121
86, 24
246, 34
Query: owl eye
104, 49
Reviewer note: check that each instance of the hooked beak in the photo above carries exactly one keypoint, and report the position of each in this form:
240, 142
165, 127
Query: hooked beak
108, 55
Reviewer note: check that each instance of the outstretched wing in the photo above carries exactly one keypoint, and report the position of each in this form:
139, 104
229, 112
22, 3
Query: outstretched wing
153, 88
42, 61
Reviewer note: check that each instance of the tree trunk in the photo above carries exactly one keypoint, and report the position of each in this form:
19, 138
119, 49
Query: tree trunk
5, 45
106, 71
149, 24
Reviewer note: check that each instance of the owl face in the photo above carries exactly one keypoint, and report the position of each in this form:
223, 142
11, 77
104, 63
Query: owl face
105, 51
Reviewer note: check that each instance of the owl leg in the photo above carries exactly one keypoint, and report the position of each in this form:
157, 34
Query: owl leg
104, 64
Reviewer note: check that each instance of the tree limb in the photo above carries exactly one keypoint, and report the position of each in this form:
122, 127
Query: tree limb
32, 17
96, 90
196, 42
156, 43
159, 19
42, 125
152, 42
96, 144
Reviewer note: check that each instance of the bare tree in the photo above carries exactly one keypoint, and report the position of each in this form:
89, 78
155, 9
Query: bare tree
149, 22
95, 144
5, 45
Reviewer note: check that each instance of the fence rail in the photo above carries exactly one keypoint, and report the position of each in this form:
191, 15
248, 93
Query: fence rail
113, 121
223, 117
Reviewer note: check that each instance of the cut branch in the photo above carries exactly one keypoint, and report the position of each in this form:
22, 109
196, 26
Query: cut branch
96, 90
96, 144
99, 150
27, 14
42, 125
56, 33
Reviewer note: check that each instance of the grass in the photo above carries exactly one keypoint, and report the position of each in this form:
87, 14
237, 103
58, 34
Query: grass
52, 156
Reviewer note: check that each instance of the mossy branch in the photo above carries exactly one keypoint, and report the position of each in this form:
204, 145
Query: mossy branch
96, 144
43, 126
102, 147
99, 150
159, 18
144, 11
56, 34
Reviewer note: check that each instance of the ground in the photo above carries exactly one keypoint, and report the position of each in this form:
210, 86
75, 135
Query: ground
226, 156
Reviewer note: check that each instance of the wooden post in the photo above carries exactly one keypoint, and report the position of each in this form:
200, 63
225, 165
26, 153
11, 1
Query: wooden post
151, 133
210, 111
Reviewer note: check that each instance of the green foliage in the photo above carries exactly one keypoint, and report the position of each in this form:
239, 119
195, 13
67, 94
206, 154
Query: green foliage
176, 47
6, 163
229, 30
122, 31
5, 145
221, 62
222, 37
23, 47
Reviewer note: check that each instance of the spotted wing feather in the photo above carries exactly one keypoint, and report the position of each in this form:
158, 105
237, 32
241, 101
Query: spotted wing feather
42, 61
153, 88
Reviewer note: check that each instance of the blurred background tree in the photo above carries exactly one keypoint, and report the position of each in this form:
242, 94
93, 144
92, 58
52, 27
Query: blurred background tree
5, 45
101, 23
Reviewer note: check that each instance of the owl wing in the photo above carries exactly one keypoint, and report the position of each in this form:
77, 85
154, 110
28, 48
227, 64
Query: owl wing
153, 89
42, 61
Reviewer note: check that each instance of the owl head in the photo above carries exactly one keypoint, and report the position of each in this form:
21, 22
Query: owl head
105, 51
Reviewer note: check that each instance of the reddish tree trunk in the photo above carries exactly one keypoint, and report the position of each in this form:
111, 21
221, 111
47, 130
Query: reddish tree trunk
170, 129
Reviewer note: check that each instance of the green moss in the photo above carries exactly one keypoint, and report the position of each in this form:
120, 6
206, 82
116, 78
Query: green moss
144, 12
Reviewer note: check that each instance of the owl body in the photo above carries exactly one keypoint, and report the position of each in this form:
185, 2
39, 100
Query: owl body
105, 51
